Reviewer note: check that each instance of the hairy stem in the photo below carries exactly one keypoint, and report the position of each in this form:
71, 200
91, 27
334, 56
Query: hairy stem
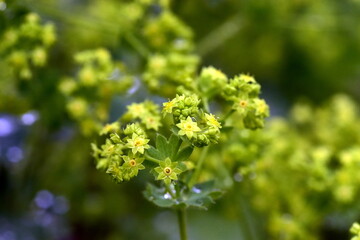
181, 214
151, 159
199, 164
168, 189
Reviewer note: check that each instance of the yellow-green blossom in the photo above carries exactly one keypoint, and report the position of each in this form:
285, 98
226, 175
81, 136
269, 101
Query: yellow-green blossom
138, 144
188, 127
77, 107
131, 166
247, 78
111, 127
212, 121
152, 122
168, 106
137, 110
168, 171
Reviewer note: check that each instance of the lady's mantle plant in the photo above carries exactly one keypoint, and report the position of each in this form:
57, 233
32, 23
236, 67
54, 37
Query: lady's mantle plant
164, 142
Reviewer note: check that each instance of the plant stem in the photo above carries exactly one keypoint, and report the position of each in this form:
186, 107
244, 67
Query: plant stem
220, 35
227, 116
199, 164
168, 189
206, 104
137, 45
151, 159
181, 214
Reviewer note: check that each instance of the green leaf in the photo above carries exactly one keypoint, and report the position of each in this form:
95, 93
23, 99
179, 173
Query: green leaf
161, 144
167, 149
154, 153
200, 196
158, 196
174, 145
184, 153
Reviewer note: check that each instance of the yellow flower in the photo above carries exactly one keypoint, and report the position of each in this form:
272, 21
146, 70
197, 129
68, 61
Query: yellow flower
152, 122
212, 121
138, 144
188, 127
112, 127
137, 110
247, 78
168, 106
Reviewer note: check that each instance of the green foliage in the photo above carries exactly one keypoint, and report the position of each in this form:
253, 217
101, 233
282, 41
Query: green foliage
200, 196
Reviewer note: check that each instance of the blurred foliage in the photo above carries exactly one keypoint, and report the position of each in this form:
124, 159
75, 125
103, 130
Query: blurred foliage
304, 47
76, 64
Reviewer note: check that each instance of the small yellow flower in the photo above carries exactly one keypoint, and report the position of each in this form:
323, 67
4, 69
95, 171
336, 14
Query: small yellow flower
188, 127
247, 78
138, 144
243, 103
152, 122
137, 110
212, 121
77, 107
168, 171
168, 106
112, 127
261, 107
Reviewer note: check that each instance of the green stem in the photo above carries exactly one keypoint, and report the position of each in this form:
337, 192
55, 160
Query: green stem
206, 104
169, 191
137, 45
151, 159
227, 115
199, 164
181, 214
220, 35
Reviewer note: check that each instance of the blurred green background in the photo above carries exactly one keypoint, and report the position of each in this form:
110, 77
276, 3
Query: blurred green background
299, 50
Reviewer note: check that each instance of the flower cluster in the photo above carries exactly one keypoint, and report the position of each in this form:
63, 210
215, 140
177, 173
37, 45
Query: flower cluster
172, 62
200, 128
182, 107
89, 93
147, 112
243, 91
122, 154
211, 81
125, 150
38, 38
320, 156
166, 72
166, 32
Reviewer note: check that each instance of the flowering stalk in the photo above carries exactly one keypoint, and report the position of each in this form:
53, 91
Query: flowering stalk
130, 146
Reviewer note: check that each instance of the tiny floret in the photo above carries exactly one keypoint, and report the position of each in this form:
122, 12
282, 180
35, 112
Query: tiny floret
168, 171
212, 121
138, 144
188, 127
